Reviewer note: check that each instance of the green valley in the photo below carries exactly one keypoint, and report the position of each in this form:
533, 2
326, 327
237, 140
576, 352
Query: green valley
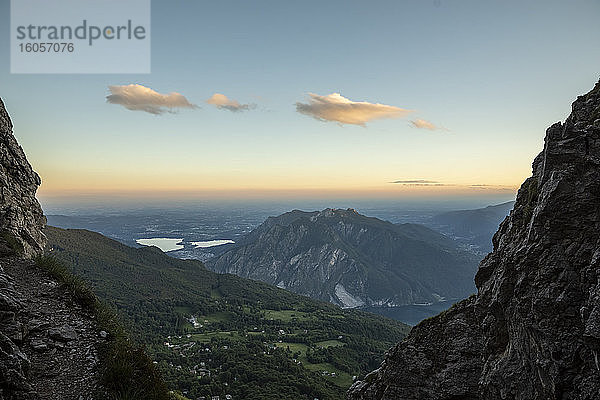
222, 335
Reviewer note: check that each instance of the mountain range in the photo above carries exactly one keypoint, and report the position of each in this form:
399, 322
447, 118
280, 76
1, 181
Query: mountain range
352, 260
472, 228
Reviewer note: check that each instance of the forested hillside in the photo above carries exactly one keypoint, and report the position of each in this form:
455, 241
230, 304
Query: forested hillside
218, 334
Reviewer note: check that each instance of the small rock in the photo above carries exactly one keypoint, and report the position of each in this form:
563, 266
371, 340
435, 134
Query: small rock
64, 333
39, 345
103, 334
38, 325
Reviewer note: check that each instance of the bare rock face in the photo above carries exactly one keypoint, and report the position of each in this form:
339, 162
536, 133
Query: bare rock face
351, 260
21, 217
533, 329
47, 343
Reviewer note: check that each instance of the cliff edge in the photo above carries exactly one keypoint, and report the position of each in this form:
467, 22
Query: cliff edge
21, 217
48, 342
533, 329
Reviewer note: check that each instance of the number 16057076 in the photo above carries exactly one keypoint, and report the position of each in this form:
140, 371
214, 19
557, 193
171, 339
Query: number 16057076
46, 47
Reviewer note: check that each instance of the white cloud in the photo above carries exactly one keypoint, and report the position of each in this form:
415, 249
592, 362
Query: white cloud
494, 187
416, 181
428, 183
422, 124
222, 102
141, 98
335, 107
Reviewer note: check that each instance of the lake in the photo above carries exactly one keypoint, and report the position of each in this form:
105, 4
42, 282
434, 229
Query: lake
165, 244
211, 243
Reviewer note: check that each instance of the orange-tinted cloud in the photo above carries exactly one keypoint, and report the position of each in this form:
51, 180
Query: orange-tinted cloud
416, 181
224, 103
335, 107
140, 98
428, 183
422, 124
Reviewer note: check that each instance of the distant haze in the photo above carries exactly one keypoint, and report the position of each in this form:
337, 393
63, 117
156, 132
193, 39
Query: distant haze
102, 204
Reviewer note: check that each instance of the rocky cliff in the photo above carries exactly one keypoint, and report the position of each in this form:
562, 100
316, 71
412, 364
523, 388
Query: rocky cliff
352, 260
533, 329
21, 217
47, 342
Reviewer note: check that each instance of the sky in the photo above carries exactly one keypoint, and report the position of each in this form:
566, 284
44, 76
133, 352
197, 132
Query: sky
267, 99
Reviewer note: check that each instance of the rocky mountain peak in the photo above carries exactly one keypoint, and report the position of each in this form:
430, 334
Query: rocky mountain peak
351, 260
335, 213
21, 217
533, 329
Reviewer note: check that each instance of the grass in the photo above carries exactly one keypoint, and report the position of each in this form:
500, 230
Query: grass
341, 378
177, 396
219, 316
329, 343
294, 348
286, 315
206, 337
532, 195
127, 372
14, 246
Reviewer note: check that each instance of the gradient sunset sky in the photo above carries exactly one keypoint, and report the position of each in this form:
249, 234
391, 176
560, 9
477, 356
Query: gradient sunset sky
319, 98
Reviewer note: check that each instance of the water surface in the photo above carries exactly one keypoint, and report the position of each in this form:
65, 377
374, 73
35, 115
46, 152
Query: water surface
211, 243
165, 244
